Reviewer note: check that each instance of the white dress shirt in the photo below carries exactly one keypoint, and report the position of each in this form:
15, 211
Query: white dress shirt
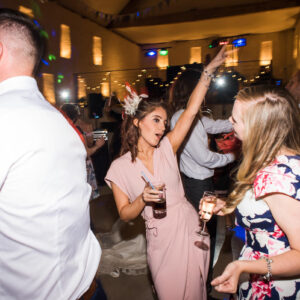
47, 250
196, 160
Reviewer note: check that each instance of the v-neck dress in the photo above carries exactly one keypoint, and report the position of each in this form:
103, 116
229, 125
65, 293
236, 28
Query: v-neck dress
178, 268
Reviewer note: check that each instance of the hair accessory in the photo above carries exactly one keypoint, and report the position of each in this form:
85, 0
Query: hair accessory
268, 276
132, 100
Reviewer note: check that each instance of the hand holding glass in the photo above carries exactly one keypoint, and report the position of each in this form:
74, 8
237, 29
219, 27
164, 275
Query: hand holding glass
207, 205
159, 207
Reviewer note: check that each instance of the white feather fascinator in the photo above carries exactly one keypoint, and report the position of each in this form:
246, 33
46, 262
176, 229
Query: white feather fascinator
132, 100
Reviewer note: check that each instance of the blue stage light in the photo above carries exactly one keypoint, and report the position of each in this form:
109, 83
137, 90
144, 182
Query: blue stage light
45, 62
151, 53
239, 42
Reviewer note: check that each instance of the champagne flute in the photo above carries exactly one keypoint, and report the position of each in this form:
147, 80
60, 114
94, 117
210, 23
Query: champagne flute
208, 203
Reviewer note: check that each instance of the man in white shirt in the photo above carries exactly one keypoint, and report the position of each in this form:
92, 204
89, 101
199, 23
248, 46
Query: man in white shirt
47, 250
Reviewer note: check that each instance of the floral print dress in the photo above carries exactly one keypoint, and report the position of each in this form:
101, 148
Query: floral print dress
263, 236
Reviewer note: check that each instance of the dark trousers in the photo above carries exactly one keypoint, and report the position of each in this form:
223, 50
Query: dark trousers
194, 189
95, 292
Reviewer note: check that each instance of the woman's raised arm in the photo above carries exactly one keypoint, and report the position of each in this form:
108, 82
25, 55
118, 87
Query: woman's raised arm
177, 135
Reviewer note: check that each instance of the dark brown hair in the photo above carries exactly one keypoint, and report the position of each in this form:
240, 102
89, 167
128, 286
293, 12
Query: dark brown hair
182, 89
71, 110
129, 132
14, 20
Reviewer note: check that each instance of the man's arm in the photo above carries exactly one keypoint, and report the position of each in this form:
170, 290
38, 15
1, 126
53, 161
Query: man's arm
200, 153
216, 126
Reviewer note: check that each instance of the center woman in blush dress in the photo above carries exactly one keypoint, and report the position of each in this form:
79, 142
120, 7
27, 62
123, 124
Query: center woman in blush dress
179, 268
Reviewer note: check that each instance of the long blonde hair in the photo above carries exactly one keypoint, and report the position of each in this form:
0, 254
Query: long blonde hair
271, 123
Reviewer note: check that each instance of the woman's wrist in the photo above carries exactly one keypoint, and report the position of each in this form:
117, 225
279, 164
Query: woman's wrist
209, 73
240, 266
205, 78
210, 69
142, 200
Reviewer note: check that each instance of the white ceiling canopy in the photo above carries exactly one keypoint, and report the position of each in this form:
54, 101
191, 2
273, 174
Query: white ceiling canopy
262, 22
162, 21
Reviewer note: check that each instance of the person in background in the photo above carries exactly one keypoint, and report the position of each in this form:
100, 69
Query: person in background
178, 267
196, 160
266, 197
293, 86
73, 113
47, 249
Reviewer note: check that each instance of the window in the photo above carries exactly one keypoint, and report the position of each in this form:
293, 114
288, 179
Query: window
97, 50
81, 92
65, 41
48, 87
295, 50
232, 59
162, 61
195, 55
265, 53
105, 89
27, 11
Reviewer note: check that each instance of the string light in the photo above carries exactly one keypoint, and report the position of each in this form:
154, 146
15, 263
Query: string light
167, 84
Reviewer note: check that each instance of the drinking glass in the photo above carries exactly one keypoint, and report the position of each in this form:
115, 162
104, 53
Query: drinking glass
159, 208
208, 203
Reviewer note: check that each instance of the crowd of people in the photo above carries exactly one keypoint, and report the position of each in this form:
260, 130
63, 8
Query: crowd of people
47, 247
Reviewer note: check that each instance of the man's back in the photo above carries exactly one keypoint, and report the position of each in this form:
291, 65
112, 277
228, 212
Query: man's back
47, 250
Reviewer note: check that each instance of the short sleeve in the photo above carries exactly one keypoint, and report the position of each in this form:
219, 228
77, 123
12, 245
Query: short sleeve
115, 175
277, 178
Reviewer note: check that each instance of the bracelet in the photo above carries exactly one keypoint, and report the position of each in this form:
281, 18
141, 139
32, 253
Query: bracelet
269, 273
208, 75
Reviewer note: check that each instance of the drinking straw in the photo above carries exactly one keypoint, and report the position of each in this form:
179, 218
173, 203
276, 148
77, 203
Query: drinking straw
147, 180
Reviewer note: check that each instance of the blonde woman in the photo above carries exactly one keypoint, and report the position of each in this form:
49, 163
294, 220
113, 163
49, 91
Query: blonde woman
266, 196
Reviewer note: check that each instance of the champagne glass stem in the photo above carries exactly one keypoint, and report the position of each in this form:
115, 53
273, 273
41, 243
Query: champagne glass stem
204, 226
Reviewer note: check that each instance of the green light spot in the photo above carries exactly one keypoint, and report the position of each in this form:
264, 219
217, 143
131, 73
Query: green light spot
51, 57
163, 52
44, 34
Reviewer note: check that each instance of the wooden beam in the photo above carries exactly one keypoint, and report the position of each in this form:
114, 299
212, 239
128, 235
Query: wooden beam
201, 14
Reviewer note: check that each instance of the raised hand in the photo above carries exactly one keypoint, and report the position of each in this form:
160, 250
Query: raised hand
219, 59
228, 281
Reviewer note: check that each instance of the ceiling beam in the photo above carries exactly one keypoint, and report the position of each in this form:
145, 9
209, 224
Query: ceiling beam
202, 14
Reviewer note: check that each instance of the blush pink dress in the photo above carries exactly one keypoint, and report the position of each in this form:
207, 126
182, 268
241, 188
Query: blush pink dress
178, 268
